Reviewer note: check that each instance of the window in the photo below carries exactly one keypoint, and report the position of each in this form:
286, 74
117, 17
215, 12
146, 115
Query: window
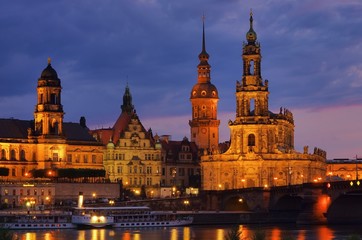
119, 169
53, 98
85, 158
6, 192
94, 158
181, 172
22, 155
13, 172
251, 140
55, 157
12, 155
69, 158
3, 154
77, 157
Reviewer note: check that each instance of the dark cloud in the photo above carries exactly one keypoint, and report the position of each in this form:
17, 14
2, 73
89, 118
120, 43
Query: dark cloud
311, 53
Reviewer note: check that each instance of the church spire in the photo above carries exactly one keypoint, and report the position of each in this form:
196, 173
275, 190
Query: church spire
203, 67
251, 34
127, 101
203, 55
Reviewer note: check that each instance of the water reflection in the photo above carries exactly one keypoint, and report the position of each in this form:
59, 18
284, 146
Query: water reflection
319, 232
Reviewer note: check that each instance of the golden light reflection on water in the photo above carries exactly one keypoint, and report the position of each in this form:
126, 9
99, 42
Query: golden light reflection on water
126, 236
187, 233
319, 232
301, 235
275, 234
220, 234
174, 234
325, 233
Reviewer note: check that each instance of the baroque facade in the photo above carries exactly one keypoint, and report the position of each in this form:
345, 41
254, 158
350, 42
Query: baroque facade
47, 142
261, 151
132, 155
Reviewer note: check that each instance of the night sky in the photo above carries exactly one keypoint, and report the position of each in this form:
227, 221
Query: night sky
312, 57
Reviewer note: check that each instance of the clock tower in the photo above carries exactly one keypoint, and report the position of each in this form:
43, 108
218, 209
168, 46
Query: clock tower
204, 98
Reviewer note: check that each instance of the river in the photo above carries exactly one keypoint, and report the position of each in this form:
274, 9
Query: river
273, 232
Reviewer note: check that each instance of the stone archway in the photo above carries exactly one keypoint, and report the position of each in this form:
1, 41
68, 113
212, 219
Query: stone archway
236, 203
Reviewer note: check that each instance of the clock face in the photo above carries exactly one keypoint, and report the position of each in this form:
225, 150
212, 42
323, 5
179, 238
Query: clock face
204, 130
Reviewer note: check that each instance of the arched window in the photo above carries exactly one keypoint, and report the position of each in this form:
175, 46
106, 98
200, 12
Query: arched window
12, 155
251, 140
251, 70
22, 155
3, 154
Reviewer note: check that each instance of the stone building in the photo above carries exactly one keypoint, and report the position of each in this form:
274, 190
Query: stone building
180, 163
344, 169
261, 151
47, 142
131, 153
204, 98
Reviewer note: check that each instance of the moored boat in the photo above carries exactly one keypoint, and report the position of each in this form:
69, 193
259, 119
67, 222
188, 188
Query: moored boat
18, 220
126, 217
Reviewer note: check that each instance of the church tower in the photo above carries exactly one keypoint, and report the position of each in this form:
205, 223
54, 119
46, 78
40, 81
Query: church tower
261, 151
252, 94
48, 114
204, 98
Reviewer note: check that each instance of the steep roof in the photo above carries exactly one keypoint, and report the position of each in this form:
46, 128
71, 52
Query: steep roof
18, 129
14, 128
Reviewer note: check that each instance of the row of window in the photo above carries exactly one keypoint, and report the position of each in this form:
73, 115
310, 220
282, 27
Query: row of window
13, 156
122, 156
173, 172
55, 157
78, 158
27, 192
134, 169
139, 181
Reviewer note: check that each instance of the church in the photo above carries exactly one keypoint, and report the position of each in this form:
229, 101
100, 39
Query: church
261, 151
46, 142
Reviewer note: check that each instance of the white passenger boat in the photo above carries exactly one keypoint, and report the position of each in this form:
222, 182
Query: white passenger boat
18, 221
126, 217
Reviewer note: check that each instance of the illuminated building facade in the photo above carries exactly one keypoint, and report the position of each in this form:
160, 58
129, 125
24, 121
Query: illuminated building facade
261, 151
28, 195
47, 142
344, 169
180, 164
132, 155
204, 98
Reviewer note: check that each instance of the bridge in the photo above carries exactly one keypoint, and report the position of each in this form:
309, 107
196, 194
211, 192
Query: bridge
308, 203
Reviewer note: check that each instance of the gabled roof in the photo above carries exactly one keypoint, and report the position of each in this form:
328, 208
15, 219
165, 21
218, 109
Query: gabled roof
175, 147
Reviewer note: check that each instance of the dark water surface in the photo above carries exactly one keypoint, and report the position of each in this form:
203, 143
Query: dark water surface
273, 232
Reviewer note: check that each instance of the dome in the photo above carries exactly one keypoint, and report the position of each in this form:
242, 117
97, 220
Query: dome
251, 36
204, 90
110, 144
49, 73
